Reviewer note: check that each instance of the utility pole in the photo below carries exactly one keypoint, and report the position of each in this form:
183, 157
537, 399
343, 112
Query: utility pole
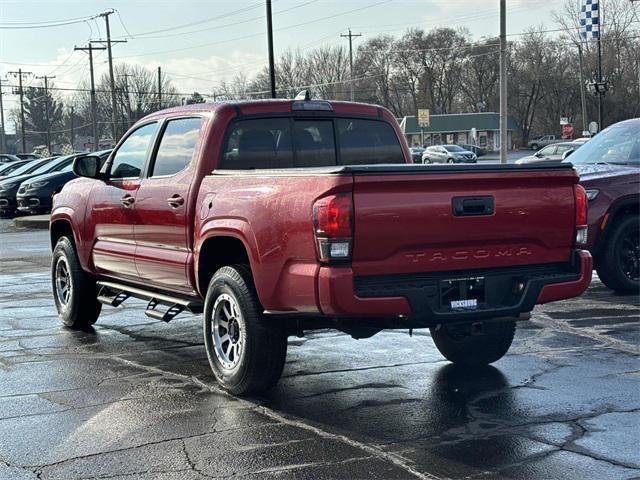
3, 138
94, 120
159, 89
112, 81
503, 81
127, 105
272, 71
20, 73
583, 98
73, 133
601, 85
350, 37
46, 108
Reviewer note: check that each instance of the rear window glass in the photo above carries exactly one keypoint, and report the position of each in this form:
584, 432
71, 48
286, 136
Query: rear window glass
364, 142
263, 143
287, 143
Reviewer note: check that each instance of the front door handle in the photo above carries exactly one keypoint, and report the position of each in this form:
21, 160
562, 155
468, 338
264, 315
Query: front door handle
127, 200
175, 201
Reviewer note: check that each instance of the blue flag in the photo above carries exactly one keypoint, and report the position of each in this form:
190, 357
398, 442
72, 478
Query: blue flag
590, 20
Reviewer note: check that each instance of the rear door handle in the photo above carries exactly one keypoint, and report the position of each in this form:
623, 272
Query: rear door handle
175, 201
127, 200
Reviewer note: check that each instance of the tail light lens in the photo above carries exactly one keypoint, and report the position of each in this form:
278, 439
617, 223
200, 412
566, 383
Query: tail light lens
333, 227
580, 196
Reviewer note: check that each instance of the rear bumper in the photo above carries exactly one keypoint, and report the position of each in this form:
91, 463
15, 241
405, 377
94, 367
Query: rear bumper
417, 296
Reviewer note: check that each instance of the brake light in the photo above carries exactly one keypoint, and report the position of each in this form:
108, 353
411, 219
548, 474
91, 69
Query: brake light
333, 227
580, 197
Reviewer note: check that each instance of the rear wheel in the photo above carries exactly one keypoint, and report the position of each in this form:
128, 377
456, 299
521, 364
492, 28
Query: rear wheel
246, 351
468, 345
618, 267
535, 146
75, 292
450, 160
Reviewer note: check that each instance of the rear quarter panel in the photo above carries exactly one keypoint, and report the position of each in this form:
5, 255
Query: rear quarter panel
272, 216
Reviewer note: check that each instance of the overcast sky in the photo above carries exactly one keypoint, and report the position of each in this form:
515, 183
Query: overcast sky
199, 43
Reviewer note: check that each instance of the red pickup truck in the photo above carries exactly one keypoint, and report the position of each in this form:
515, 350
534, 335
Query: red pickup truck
276, 217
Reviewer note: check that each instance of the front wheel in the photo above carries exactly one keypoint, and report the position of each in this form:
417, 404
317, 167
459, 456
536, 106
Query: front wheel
246, 351
75, 292
468, 345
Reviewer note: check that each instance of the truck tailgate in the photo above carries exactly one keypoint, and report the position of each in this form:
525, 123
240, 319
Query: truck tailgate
463, 218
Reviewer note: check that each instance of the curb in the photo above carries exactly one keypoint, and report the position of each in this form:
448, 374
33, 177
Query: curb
40, 222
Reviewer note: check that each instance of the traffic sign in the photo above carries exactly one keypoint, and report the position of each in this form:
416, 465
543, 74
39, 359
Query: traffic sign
424, 119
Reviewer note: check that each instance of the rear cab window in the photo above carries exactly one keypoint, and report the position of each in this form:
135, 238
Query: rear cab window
292, 142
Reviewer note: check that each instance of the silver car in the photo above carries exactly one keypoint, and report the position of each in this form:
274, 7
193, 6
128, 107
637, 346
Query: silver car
448, 154
551, 153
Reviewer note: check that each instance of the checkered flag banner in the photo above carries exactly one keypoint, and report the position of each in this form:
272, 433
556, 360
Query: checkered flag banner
590, 20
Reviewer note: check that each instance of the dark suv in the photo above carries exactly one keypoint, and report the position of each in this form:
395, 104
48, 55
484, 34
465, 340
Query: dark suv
609, 168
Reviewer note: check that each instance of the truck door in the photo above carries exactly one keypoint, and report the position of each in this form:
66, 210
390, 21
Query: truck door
112, 206
162, 207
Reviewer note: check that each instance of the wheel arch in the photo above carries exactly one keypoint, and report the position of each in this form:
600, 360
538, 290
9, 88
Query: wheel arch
216, 251
61, 227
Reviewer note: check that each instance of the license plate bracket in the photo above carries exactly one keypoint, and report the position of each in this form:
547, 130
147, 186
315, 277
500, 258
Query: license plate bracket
460, 294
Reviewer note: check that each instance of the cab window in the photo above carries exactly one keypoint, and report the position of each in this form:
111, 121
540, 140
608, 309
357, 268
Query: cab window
177, 145
130, 157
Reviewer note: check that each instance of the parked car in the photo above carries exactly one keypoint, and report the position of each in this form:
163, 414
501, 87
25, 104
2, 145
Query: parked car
551, 153
30, 156
9, 185
35, 195
7, 158
609, 168
474, 148
7, 168
581, 140
543, 141
448, 154
251, 213
416, 154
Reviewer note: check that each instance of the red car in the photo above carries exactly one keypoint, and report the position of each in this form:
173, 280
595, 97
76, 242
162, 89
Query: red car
276, 217
609, 168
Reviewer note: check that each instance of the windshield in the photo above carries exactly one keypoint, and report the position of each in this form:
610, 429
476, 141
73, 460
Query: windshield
454, 148
54, 166
618, 144
28, 167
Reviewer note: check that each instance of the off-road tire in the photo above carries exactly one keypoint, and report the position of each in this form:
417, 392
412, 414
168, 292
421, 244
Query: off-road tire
265, 341
473, 350
608, 266
81, 309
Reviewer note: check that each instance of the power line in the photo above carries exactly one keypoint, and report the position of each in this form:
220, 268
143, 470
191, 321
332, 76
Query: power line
192, 47
23, 26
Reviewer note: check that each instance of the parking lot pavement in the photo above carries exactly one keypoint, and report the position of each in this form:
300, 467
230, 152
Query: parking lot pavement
135, 398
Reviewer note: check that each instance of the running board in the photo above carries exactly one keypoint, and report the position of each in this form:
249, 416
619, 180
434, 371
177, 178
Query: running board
113, 294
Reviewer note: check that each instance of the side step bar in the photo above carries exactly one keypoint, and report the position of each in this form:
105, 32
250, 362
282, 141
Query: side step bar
161, 306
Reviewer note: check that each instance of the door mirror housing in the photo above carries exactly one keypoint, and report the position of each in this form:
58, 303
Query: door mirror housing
567, 153
87, 166
539, 154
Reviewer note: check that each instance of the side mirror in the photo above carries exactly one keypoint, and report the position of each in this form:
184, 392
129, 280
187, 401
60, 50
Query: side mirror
539, 154
87, 166
567, 153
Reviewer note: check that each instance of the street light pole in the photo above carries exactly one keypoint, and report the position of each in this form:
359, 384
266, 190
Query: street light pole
503, 81
94, 120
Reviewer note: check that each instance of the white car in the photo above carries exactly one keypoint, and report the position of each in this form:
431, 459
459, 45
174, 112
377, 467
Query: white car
448, 154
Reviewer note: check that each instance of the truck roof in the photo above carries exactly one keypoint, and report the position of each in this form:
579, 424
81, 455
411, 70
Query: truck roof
256, 107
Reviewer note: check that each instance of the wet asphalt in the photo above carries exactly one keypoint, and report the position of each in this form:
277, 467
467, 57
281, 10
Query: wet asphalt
134, 399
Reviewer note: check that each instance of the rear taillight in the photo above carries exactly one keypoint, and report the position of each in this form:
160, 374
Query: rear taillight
333, 227
580, 197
